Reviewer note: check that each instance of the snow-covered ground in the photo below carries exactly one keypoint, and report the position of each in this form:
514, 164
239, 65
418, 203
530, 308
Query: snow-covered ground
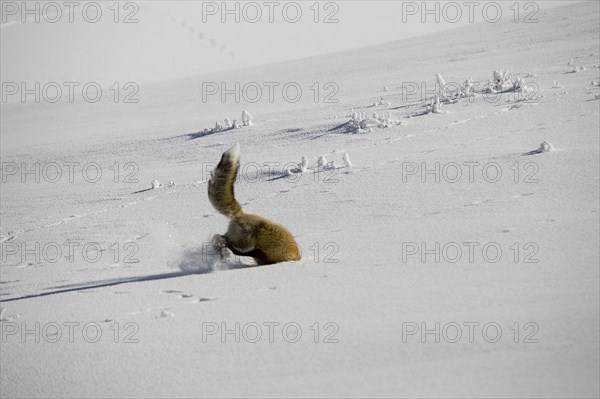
445, 261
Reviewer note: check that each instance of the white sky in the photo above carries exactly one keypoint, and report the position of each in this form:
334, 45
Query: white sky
171, 39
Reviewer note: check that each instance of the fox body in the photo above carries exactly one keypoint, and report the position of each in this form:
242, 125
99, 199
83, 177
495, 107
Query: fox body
248, 235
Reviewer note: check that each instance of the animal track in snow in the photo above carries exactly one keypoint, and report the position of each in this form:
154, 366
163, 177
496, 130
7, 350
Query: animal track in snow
166, 312
181, 294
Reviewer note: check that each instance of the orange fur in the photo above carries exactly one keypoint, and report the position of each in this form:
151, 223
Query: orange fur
248, 235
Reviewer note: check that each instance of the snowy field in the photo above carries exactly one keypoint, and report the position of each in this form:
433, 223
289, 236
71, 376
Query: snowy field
452, 256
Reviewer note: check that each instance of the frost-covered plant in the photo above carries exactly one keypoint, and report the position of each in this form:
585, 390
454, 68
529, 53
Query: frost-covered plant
468, 88
303, 164
546, 147
301, 168
381, 101
575, 68
387, 120
331, 165
360, 121
518, 84
246, 118
499, 79
322, 161
435, 107
441, 84
450, 92
229, 124
346, 159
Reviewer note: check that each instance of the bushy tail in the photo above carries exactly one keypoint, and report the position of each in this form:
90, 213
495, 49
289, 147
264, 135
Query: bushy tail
220, 185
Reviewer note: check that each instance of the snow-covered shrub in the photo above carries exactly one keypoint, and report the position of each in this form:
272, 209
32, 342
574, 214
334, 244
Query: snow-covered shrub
346, 159
518, 84
386, 120
303, 164
360, 121
451, 92
301, 168
575, 68
156, 184
441, 84
468, 88
322, 161
501, 82
499, 78
331, 165
246, 118
229, 124
435, 107
381, 101
546, 147
519, 87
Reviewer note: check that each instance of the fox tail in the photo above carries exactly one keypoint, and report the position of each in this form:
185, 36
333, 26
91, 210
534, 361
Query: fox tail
220, 185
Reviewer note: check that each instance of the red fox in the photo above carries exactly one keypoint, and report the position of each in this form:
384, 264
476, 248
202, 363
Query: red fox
248, 235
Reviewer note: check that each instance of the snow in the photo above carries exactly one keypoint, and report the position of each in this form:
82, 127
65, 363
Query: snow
392, 247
